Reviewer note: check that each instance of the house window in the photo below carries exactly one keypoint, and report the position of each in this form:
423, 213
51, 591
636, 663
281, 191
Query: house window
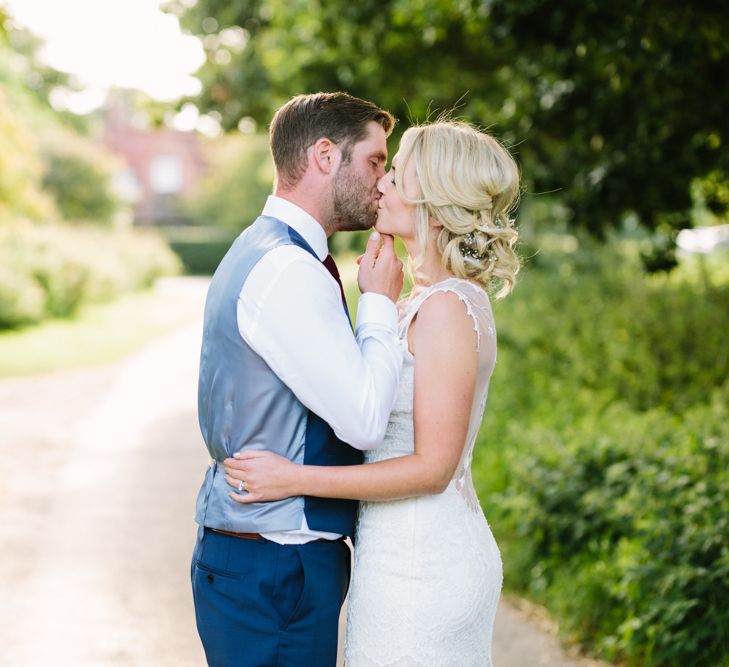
165, 174
126, 185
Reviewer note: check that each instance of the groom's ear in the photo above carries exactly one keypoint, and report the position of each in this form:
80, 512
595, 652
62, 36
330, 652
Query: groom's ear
324, 155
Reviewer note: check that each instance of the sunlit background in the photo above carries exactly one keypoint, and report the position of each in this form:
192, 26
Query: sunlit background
105, 44
133, 150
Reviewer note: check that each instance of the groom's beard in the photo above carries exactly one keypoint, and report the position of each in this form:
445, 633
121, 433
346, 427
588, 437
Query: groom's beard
355, 206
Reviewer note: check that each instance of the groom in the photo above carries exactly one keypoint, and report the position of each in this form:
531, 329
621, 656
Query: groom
281, 370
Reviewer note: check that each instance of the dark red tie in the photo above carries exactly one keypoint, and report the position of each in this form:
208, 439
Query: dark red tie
332, 268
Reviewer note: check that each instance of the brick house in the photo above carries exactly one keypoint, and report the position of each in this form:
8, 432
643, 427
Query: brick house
161, 165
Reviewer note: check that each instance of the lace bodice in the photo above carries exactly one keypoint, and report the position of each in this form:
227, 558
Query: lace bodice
399, 437
427, 572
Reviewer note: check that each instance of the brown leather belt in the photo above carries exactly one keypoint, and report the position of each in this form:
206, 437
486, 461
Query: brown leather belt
257, 536
245, 536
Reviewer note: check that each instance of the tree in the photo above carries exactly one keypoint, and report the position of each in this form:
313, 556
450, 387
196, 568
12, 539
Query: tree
239, 181
627, 101
617, 107
49, 169
78, 175
31, 81
21, 170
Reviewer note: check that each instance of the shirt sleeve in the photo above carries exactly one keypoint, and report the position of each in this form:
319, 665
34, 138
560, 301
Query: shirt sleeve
290, 313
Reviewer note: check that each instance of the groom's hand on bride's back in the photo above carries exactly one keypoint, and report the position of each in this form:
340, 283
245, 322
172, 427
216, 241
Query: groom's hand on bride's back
380, 270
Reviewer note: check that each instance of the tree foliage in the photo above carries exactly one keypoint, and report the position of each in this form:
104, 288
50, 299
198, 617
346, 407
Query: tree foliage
618, 107
49, 168
28, 79
21, 170
78, 174
239, 181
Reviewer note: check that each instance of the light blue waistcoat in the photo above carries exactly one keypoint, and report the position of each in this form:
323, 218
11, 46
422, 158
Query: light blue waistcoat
242, 404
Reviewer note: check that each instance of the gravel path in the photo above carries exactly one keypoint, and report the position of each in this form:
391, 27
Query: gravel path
99, 469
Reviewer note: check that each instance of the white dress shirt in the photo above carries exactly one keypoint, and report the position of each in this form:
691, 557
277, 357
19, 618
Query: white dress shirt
290, 313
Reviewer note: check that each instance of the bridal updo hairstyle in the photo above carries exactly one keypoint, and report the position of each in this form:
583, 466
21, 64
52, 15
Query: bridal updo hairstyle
469, 184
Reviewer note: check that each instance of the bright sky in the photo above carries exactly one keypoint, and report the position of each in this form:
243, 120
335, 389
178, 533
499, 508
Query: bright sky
125, 43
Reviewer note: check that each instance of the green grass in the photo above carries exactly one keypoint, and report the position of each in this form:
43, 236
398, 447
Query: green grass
101, 333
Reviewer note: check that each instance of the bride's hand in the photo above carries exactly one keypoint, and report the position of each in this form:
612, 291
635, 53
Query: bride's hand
265, 476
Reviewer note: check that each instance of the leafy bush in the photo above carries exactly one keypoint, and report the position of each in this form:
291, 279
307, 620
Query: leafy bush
21, 169
627, 521
607, 329
78, 176
604, 461
52, 270
22, 299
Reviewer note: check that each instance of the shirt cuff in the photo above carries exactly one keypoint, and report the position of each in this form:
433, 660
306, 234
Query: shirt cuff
377, 309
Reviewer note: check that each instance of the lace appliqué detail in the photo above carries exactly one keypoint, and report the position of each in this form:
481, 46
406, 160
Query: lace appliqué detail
427, 574
484, 320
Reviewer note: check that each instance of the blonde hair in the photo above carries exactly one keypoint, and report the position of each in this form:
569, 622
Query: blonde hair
468, 183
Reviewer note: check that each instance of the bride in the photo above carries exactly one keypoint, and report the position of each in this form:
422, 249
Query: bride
427, 570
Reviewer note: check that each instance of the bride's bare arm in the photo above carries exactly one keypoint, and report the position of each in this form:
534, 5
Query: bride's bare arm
444, 344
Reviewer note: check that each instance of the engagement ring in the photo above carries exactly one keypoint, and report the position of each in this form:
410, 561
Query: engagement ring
241, 485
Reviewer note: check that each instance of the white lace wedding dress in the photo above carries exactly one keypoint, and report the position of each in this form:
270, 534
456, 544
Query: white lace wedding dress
427, 571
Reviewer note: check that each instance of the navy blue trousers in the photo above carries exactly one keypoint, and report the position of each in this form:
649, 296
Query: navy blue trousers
262, 604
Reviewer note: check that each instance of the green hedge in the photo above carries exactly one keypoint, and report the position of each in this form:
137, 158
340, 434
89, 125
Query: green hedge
603, 462
50, 270
200, 248
621, 526
200, 258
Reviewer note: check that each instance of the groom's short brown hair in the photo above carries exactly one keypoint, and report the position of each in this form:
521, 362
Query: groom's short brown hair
306, 118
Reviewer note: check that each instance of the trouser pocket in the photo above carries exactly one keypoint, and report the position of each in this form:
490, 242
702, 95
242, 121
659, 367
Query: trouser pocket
289, 586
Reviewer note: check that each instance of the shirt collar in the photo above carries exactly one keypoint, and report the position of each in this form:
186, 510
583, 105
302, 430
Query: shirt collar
299, 220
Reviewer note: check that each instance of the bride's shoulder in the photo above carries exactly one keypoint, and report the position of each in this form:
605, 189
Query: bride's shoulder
455, 308
446, 312
468, 293
443, 335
